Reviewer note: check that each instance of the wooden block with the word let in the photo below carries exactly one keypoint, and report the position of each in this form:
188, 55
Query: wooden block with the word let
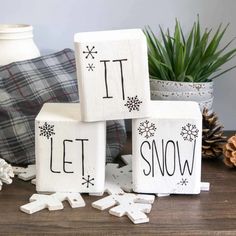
70, 154
167, 149
112, 71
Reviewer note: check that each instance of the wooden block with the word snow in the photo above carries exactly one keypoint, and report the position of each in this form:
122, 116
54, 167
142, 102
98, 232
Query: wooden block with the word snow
112, 71
70, 154
167, 149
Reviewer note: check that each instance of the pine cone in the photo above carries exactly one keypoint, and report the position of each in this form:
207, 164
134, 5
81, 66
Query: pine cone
6, 173
230, 152
213, 139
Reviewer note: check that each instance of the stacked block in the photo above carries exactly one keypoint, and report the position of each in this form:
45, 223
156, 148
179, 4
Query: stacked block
167, 149
70, 154
112, 72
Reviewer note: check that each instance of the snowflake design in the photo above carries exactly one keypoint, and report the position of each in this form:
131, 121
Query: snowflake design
133, 103
88, 181
90, 67
46, 130
189, 132
147, 128
90, 52
183, 182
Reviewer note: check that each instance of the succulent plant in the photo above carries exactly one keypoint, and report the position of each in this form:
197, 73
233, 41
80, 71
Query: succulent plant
193, 58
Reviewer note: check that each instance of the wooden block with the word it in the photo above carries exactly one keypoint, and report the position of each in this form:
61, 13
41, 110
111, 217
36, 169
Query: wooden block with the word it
167, 149
70, 154
112, 71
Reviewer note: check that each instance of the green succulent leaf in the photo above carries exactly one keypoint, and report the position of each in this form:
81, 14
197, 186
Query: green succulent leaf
193, 58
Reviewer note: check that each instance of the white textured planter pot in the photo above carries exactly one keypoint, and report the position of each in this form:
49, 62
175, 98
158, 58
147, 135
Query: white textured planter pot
16, 43
183, 91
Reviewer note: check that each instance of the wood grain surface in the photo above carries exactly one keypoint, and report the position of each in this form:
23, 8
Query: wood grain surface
210, 213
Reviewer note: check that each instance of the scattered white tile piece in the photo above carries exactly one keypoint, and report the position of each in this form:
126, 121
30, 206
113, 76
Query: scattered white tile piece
133, 205
162, 194
70, 154
167, 149
17, 169
127, 159
111, 185
205, 186
39, 202
118, 179
114, 66
52, 202
33, 181
25, 174
75, 200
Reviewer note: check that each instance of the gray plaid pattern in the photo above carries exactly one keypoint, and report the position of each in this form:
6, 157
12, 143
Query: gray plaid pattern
24, 87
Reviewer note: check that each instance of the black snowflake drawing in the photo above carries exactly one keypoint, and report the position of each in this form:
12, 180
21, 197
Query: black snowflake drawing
88, 181
147, 128
183, 182
189, 132
90, 52
90, 67
46, 130
133, 103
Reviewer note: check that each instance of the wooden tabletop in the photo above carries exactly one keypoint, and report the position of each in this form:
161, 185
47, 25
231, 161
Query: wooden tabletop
210, 213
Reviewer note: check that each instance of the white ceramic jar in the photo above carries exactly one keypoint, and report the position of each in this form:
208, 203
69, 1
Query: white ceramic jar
16, 43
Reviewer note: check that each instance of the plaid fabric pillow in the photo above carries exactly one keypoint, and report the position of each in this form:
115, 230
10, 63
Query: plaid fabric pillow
24, 87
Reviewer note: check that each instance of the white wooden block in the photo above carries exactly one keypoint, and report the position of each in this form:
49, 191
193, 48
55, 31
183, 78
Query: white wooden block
25, 174
111, 185
113, 66
167, 149
127, 159
6, 173
70, 154
132, 205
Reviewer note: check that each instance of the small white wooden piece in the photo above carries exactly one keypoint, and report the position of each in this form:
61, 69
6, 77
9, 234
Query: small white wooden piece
113, 66
70, 154
33, 181
205, 186
25, 174
132, 205
167, 149
118, 179
52, 202
162, 194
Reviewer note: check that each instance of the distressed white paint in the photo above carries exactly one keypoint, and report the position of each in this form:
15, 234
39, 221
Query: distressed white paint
52, 202
72, 153
118, 179
160, 151
133, 205
205, 186
112, 71
25, 174
33, 181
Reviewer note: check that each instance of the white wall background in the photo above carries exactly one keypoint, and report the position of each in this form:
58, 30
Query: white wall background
56, 21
